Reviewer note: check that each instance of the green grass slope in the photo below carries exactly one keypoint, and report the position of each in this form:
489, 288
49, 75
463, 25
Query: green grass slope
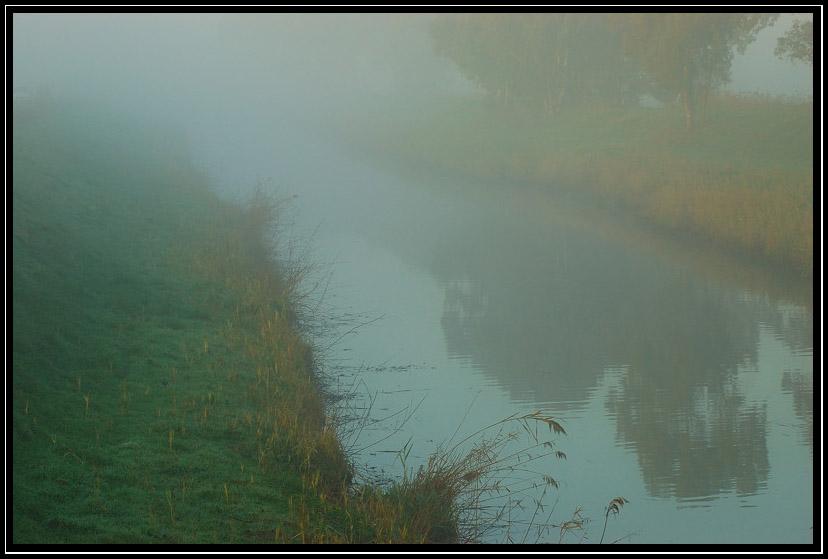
146, 392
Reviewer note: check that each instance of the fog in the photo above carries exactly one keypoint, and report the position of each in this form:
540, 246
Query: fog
198, 66
203, 65
246, 86
648, 347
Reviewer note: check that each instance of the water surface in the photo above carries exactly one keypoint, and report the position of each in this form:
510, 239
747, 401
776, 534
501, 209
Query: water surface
683, 378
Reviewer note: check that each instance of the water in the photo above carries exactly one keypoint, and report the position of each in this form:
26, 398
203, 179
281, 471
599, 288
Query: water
684, 380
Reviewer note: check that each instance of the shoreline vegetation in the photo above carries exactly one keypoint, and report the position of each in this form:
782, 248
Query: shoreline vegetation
742, 182
161, 392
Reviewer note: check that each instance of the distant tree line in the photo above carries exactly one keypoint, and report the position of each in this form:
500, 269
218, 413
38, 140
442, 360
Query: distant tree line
553, 61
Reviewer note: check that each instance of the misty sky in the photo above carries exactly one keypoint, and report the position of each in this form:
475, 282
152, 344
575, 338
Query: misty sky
760, 71
198, 63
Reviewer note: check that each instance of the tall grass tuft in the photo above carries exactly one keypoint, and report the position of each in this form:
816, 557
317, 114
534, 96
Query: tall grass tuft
470, 488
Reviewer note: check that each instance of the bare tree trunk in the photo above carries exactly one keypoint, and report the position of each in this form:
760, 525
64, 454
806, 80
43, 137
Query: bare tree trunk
502, 96
689, 113
688, 100
564, 73
548, 103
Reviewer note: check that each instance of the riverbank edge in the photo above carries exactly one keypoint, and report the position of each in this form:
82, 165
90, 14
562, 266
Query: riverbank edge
161, 393
638, 162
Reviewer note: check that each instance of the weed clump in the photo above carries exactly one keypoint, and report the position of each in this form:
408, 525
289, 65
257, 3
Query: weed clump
470, 487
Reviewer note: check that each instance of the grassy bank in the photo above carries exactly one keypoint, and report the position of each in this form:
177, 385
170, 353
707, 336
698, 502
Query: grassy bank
147, 326
159, 393
159, 390
742, 182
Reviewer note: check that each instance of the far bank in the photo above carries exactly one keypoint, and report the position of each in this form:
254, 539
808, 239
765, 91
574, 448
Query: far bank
742, 182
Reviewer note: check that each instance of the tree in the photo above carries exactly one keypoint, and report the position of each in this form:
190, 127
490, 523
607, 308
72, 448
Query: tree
543, 61
460, 39
577, 59
798, 43
689, 54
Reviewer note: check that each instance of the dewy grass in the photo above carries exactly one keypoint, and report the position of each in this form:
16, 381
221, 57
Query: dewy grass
155, 343
159, 390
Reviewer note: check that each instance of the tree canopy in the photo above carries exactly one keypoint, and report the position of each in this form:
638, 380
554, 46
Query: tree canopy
555, 61
798, 43
547, 61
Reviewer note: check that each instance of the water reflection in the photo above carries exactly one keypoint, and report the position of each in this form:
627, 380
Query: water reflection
800, 384
712, 444
545, 308
687, 378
